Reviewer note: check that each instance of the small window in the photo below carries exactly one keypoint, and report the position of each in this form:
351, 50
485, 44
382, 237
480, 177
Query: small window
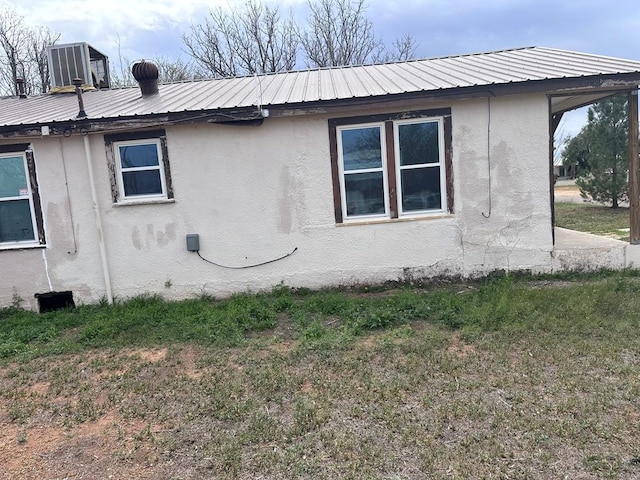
140, 167
391, 166
20, 212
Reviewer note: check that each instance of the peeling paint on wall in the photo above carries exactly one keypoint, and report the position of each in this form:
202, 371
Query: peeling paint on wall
253, 193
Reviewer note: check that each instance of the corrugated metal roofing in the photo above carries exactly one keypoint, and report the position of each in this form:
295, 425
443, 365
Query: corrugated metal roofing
328, 84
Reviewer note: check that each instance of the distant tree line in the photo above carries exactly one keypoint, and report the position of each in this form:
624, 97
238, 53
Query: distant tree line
252, 40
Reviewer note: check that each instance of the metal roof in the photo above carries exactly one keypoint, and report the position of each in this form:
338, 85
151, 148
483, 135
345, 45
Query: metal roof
506, 67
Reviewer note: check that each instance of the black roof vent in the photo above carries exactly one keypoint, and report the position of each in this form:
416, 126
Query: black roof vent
20, 86
146, 74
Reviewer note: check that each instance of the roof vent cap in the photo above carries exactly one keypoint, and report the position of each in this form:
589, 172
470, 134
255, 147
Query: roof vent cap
146, 74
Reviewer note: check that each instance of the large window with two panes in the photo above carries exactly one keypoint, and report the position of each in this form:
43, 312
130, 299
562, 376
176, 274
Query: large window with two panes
392, 166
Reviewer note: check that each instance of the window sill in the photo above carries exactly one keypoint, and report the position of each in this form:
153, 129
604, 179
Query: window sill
145, 201
21, 246
378, 221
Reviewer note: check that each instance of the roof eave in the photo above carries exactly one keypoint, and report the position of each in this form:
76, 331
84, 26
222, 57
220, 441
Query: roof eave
247, 115
251, 115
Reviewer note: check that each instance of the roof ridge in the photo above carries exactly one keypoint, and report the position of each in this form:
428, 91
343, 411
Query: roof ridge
342, 67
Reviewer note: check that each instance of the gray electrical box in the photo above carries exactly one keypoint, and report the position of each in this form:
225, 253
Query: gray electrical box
193, 242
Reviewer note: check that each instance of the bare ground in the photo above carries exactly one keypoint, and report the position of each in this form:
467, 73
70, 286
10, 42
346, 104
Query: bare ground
415, 403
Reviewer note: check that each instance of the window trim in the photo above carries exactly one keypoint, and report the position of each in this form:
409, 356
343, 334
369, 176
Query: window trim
113, 141
35, 205
121, 170
392, 189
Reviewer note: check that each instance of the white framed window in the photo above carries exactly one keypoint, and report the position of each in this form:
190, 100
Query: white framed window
391, 166
21, 222
363, 178
139, 167
419, 158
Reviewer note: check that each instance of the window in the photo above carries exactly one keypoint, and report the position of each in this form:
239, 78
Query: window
419, 153
392, 166
362, 173
20, 213
139, 165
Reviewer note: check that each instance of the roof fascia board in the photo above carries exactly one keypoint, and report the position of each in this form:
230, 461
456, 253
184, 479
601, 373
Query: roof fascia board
67, 128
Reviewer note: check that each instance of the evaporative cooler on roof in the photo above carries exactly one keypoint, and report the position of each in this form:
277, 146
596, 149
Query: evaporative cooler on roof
77, 60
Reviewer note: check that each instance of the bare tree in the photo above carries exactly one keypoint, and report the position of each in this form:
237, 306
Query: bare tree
339, 33
120, 72
40, 39
23, 53
168, 70
13, 45
175, 70
258, 40
404, 48
253, 40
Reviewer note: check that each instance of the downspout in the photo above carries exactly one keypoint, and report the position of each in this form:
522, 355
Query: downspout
96, 211
94, 195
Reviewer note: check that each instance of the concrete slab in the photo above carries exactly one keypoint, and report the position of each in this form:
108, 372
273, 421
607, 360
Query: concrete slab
633, 256
579, 251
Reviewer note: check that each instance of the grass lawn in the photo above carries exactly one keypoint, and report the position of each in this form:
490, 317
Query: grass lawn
593, 218
505, 378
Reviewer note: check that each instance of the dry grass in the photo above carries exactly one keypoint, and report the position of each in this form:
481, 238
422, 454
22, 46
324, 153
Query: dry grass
516, 392
594, 218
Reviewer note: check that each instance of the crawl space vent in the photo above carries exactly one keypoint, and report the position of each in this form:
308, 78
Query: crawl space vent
51, 301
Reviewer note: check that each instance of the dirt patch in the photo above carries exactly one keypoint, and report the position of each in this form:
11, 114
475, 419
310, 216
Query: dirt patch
460, 349
281, 347
109, 447
306, 387
152, 356
107, 444
369, 342
568, 193
189, 356
40, 388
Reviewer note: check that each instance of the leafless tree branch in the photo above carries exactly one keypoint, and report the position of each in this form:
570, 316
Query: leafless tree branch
253, 40
23, 53
338, 33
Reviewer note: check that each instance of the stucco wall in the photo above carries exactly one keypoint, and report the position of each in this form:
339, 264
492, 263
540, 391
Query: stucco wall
256, 193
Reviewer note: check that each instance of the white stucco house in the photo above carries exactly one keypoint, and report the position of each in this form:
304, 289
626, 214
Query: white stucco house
311, 178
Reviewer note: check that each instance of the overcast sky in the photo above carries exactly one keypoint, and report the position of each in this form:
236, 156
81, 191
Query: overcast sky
149, 28
153, 28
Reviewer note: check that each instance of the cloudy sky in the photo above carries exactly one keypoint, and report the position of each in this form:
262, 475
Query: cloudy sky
153, 28
150, 28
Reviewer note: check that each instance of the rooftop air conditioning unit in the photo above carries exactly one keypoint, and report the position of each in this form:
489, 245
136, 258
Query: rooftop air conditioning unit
77, 60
